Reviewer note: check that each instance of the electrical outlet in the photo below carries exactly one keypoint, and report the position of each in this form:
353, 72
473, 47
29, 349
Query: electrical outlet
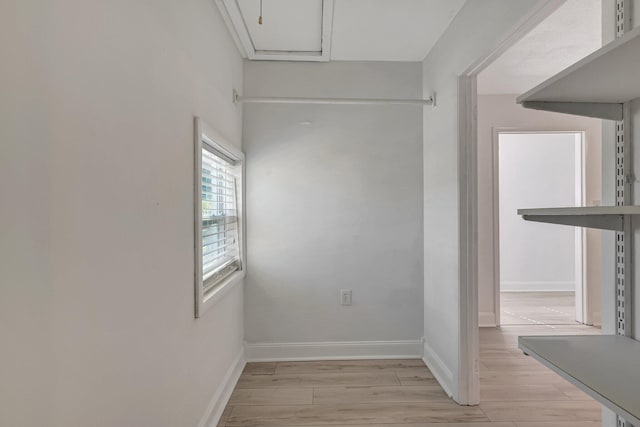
345, 296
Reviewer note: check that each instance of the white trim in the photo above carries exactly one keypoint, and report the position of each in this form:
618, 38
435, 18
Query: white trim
220, 398
344, 350
538, 286
580, 249
495, 194
541, 287
468, 379
221, 290
487, 319
237, 26
538, 13
214, 139
327, 28
596, 319
580, 233
438, 368
232, 29
582, 243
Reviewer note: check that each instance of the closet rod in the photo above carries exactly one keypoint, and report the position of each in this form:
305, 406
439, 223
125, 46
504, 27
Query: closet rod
344, 101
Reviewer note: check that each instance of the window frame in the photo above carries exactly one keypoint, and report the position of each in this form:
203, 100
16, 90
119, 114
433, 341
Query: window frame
205, 134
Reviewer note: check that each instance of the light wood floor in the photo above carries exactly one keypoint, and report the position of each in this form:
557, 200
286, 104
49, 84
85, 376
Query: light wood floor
516, 391
537, 308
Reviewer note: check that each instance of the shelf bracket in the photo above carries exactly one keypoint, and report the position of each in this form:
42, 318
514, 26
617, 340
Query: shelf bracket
602, 222
599, 110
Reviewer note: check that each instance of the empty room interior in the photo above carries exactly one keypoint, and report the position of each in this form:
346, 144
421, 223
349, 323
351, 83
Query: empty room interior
415, 213
534, 274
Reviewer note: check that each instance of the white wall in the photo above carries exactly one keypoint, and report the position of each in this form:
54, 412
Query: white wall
537, 170
334, 202
502, 112
478, 29
26, 294
96, 178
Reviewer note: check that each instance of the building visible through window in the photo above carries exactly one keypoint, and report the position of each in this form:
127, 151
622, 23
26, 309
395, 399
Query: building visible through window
218, 222
220, 249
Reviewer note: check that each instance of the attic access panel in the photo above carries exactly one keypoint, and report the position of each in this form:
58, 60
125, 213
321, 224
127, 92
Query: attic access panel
292, 30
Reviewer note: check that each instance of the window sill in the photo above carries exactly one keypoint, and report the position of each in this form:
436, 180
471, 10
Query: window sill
220, 291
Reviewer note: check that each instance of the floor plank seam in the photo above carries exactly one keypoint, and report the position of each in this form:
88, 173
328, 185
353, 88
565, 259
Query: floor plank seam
484, 413
390, 393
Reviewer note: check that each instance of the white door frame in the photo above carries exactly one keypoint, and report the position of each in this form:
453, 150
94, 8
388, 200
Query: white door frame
469, 372
580, 233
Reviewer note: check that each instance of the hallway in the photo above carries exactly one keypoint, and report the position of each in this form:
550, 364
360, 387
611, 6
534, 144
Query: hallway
516, 391
537, 308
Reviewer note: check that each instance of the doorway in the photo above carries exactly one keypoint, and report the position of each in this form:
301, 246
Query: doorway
516, 69
539, 272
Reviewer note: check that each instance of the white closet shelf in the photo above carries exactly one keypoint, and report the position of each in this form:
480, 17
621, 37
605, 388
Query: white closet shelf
596, 86
606, 367
601, 217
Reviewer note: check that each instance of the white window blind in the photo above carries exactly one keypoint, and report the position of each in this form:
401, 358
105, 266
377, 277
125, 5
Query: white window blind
220, 242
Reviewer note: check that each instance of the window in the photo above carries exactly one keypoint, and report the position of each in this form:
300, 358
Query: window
218, 215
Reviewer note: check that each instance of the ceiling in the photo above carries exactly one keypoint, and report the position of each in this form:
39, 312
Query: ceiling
278, 31
389, 30
572, 32
353, 30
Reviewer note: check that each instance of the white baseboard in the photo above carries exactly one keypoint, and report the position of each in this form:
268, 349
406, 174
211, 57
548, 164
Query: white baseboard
223, 393
487, 319
270, 352
438, 368
507, 286
596, 318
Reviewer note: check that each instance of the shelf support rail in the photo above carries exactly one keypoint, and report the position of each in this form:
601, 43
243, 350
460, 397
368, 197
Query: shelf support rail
624, 239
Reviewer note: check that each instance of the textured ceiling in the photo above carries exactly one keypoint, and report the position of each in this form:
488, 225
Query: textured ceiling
568, 35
